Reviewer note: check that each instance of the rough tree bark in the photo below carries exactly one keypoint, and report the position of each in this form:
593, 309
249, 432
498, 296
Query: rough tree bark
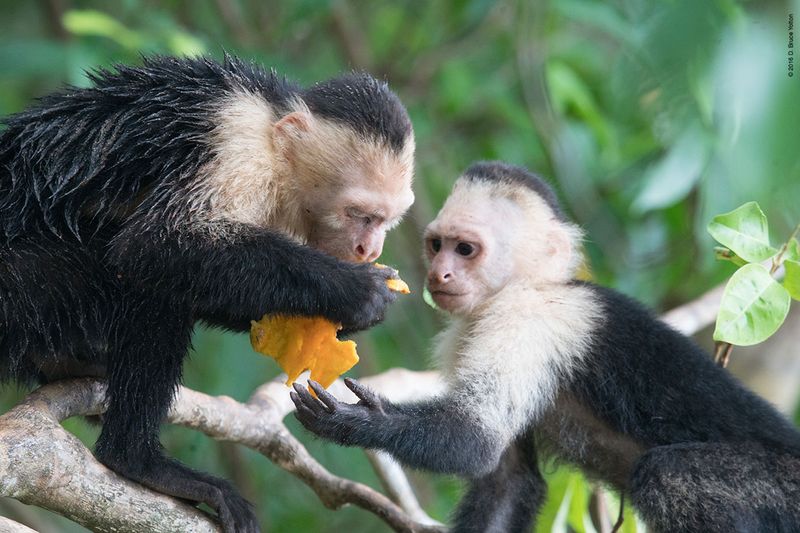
42, 464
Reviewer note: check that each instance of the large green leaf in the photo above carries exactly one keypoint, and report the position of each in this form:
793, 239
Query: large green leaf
553, 516
792, 279
673, 177
744, 230
578, 517
753, 307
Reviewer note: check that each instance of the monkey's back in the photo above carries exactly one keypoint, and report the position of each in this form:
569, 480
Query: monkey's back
656, 385
80, 156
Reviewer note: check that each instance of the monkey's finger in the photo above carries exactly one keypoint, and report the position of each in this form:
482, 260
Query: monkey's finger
326, 397
363, 393
308, 423
298, 403
305, 415
386, 271
391, 273
309, 401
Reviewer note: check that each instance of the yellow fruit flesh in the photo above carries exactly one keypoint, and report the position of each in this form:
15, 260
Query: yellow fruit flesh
308, 343
301, 343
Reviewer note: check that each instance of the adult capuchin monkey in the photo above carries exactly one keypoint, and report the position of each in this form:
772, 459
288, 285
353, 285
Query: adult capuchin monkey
185, 190
538, 363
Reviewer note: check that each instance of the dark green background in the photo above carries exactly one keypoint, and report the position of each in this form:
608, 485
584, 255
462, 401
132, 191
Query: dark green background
648, 116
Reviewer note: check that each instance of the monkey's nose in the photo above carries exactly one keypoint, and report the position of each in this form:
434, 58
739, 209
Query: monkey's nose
439, 278
366, 255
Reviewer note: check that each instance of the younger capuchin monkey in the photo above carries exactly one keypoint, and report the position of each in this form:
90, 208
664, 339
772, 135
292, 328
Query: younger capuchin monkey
187, 190
540, 364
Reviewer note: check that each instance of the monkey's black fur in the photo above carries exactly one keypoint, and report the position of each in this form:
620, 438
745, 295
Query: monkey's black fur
364, 104
101, 274
648, 412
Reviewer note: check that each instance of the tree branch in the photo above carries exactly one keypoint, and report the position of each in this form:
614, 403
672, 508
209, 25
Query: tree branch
42, 464
9, 526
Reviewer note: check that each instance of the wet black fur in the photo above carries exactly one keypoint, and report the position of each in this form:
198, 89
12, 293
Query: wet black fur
716, 458
364, 104
100, 275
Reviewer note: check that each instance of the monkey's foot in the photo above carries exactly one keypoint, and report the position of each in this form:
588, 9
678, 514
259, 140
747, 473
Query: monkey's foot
171, 477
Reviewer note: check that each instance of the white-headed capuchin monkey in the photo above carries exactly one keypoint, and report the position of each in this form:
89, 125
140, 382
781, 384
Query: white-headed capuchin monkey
539, 364
186, 190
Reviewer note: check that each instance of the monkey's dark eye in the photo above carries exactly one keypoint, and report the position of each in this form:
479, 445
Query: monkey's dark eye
465, 249
359, 215
436, 245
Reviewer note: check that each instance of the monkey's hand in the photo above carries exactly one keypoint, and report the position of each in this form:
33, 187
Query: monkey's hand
343, 423
370, 296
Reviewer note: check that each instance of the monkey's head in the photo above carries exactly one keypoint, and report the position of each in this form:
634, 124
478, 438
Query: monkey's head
500, 223
348, 146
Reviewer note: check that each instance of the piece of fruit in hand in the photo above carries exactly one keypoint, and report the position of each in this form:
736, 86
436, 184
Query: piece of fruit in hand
395, 284
304, 343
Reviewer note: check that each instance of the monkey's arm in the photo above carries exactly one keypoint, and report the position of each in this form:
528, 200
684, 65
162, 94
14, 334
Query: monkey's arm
235, 273
433, 435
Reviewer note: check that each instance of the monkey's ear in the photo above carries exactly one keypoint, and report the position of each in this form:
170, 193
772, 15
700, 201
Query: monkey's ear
288, 130
293, 124
559, 247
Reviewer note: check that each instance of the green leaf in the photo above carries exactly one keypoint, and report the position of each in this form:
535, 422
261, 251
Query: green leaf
579, 505
753, 307
97, 23
793, 250
552, 517
672, 178
428, 299
724, 254
791, 281
744, 230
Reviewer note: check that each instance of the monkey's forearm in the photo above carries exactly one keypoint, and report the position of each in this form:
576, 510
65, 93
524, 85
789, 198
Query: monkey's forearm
434, 436
240, 276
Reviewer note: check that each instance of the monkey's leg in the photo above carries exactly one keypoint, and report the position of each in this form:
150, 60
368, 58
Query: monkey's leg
506, 500
144, 370
716, 487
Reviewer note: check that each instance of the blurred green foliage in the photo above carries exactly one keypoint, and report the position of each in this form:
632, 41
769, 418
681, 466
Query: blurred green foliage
648, 116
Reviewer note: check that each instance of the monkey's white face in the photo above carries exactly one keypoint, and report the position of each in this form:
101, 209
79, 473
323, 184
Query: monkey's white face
349, 191
351, 223
469, 251
488, 234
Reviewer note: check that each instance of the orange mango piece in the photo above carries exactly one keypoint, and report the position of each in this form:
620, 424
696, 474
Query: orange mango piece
304, 343
299, 343
396, 285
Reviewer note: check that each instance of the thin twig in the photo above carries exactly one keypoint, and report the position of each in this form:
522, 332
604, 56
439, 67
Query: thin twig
621, 517
778, 259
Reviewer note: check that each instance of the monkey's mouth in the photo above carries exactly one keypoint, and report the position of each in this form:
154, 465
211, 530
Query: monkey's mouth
446, 295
